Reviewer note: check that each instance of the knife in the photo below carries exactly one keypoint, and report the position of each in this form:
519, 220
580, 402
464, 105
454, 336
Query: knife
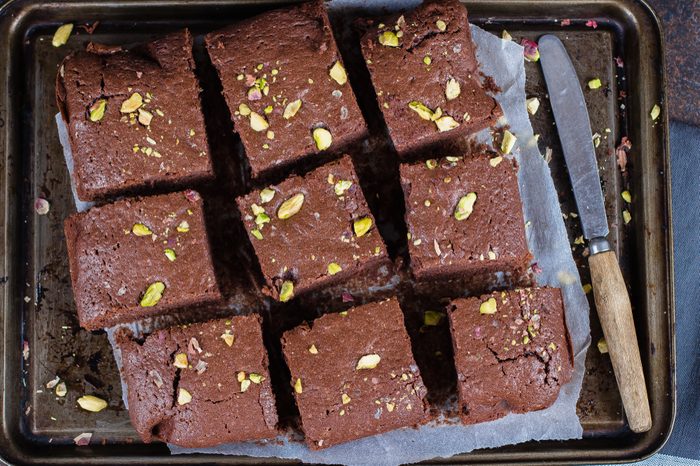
610, 293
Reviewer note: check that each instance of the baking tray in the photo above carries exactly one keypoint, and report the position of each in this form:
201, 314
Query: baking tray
40, 334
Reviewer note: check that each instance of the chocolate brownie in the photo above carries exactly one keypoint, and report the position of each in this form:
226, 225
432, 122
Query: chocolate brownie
426, 76
353, 374
139, 257
511, 350
465, 218
200, 385
313, 231
285, 84
134, 118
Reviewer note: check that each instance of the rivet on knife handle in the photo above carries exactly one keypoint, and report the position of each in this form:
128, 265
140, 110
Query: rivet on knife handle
610, 292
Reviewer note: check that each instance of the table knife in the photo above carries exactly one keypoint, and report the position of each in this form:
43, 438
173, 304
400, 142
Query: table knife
610, 293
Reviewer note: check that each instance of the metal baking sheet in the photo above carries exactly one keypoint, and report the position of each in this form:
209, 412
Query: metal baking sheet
37, 306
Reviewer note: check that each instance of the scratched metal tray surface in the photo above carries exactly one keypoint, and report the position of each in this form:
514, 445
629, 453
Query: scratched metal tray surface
40, 335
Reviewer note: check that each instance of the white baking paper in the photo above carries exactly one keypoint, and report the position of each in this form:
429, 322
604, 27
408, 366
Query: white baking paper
549, 244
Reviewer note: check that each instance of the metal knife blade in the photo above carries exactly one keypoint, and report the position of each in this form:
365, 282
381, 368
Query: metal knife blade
574, 127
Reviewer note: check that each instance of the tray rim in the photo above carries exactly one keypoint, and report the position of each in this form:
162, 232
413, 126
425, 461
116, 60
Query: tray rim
14, 448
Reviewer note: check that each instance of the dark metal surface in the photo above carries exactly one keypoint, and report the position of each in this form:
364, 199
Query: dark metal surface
36, 298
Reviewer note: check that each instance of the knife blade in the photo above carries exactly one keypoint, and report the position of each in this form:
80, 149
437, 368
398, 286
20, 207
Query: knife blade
609, 289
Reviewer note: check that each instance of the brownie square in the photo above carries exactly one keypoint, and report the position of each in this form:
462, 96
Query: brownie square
511, 350
139, 257
426, 76
200, 385
134, 118
465, 219
354, 375
285, 85
311, 232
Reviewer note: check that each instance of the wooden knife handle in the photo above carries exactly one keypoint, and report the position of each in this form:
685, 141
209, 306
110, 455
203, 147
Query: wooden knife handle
615, 312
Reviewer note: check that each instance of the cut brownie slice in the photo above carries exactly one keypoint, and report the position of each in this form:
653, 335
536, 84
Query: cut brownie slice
426, 76
200, 385
285, 84
313, 231
139, 257
354, 375
512, 352
134, 118
465, 219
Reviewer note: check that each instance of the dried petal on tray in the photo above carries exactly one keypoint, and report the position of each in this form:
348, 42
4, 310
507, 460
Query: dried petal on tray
83, 439
41, 206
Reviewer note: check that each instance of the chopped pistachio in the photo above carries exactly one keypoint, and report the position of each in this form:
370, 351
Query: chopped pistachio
291, 109
261, 219
526, 339
422, 111
181, 361
244, 110
97, 110
341, 186
268, 110
441, 25
322, 138
92, 403
61, 389
431, 164
345, 398
152, 295
183, 227
334, 268
626, 216
452, 159
257, 210
291, 206
508, 142
587, 288
452, 89
495, 161
170, 254
145, 117
594, 83
488, 307
313, 349
552, 346
258, 122
183, 397
389, 39
228, 338
446, 123
432, 318
256, 378
602, 346
337, 72
532, 104
286, 291
60, 37
257, 233
139, 229
655, 112
368, 361
266, 195
465, 206
245, 385
297, 386
427, 60
132, 103
240, 376
626, 196
361, 226
390, 407
506, 36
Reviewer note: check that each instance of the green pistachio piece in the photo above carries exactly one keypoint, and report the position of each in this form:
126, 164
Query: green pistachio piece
626, 196
92, 403
60, 37
97, 110
323, 138
431, 164
362, 226
441, 25
337, 72
256, 233
286, 291
334, 268
345, 398
452, 89
532, 104
245, 385
655, 112
145, 117
139, 229
341, 186
181, 361
422, 111
446, 123
297, 387
488, 307
389, 39
291, 109
152, 294
465, 206
258, 122
594, 83
183, 227
132, 103
427, 60
495, 161
183, 397
368, 361
266, 195
508, 142
244, 110
262, 219
257, 210
602, 346
268, 110
432, 318
291, 206
256, 378
170, 254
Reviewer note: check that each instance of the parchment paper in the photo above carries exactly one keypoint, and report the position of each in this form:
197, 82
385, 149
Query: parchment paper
548, 242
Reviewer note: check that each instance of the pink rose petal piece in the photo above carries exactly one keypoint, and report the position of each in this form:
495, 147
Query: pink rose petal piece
83, 439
